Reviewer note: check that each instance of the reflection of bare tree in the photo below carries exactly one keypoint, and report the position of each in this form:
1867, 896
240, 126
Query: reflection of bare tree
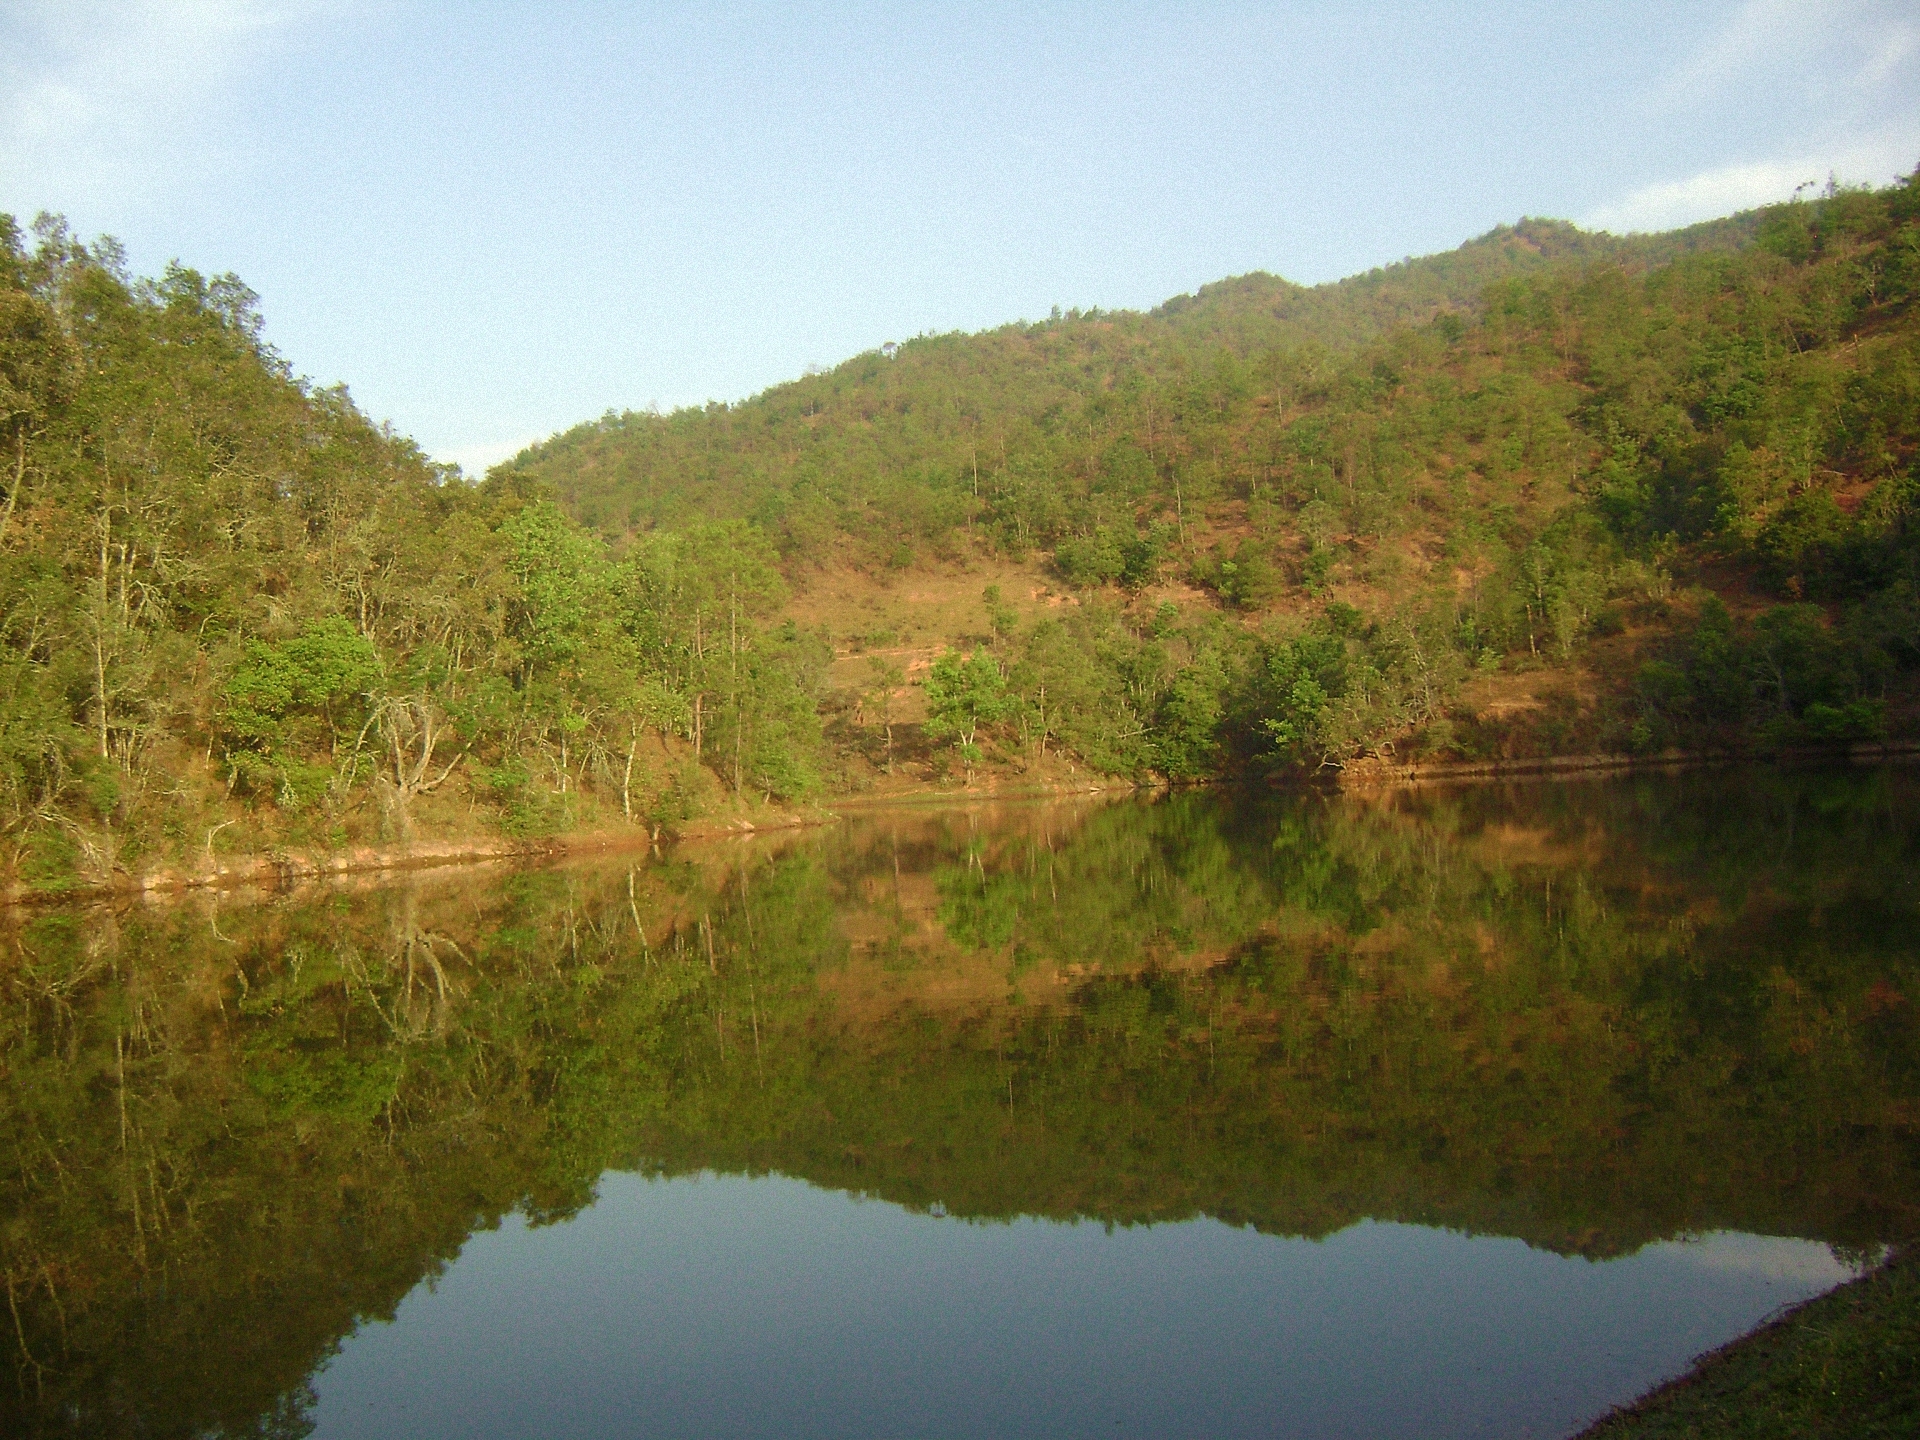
48, 983
410, 974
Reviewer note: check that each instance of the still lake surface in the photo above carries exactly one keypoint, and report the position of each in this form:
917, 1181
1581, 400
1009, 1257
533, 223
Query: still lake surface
1442, 1113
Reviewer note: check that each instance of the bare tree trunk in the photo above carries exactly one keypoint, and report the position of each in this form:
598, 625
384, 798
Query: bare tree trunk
733, 678
413, 734
100, 636
19, 479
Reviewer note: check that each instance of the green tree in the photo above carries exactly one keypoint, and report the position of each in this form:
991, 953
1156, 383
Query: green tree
966, 690
38, 361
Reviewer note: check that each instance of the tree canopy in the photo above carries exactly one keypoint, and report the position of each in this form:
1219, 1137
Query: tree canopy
1550, 491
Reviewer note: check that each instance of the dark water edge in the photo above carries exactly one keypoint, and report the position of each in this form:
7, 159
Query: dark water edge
1568, 1022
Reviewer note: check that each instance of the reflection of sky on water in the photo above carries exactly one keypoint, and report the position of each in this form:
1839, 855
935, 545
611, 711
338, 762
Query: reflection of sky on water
1766, 1256
727, 1305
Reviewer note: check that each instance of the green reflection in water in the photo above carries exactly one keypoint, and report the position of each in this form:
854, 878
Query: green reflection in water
1588, 1016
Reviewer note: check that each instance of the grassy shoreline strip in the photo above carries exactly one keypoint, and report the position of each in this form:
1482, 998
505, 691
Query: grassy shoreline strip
1846, 1363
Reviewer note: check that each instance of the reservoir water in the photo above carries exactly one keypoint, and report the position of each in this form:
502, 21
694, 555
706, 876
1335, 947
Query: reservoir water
1450, 1113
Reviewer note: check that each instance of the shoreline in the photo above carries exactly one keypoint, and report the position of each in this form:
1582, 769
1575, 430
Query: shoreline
280, 869
1836, 1359
1375, 773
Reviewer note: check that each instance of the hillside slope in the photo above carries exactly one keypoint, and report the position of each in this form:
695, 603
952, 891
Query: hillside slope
1549, 492
1524, 496
893, 445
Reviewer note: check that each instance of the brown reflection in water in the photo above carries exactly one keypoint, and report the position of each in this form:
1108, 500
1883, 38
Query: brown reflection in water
1585, 1015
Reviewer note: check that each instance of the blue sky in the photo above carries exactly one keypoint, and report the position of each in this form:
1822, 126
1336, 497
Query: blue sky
496, 220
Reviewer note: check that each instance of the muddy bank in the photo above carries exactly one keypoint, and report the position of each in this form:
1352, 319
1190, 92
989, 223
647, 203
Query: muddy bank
1375, 772
281, 869
990, 792
278, 869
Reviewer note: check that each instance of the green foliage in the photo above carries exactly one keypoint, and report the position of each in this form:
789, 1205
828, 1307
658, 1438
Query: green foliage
527, 810
1247, 578
1788, 676
38, 365
202, 558
324, 673
964, 692
1188, 737
566, 585
1089, 681
1299, 682
769, 718
1081, 435
1494, 458
1500, 452
1111, 554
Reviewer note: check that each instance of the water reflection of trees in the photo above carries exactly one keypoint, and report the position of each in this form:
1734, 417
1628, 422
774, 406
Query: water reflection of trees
1585, 1015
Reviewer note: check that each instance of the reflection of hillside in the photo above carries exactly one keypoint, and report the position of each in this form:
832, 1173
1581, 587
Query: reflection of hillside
1587, 1016
943, 911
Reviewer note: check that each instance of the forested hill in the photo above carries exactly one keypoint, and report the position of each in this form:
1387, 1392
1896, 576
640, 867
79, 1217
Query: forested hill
868, 436
1550, 492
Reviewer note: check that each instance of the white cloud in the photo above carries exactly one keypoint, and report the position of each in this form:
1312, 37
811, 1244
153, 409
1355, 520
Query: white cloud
477, 459
1888, 56
1845, 50
1759, 30
1667, 205
99, 98
1671, 204
1845, 66
1774, 1258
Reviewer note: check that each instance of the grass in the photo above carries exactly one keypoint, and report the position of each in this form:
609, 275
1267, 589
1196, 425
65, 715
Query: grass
1844, 1364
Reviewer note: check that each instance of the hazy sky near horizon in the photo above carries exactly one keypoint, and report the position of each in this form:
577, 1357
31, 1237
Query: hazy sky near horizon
497, 220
